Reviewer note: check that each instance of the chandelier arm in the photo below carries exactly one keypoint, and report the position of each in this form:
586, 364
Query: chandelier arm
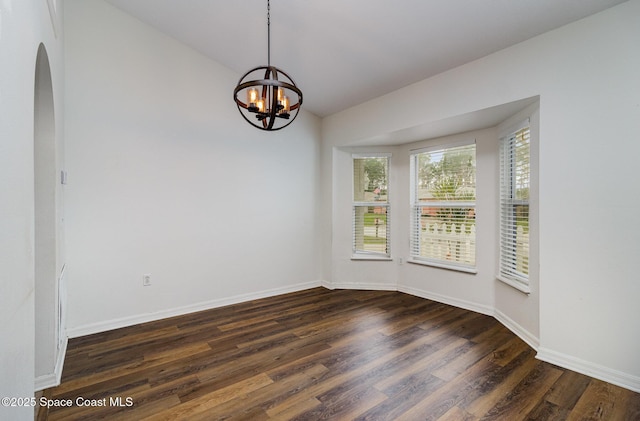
264, 124
267, 82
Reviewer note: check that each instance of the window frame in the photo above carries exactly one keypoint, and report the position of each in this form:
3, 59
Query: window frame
507, 202
356, 253
416, 210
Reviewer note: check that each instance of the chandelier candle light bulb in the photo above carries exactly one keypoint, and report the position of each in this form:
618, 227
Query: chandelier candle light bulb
286, 108
252, 99
260, 106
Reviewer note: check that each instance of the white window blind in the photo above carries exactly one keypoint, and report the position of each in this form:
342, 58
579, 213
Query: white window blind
443, 203
515, 175
370, 208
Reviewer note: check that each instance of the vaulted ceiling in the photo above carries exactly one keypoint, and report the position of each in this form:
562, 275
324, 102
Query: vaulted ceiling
345, 52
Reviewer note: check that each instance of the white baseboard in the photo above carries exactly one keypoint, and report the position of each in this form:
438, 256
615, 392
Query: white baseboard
52, 380
456, 302
597, 371
45, 381
92, 328
327, 285
514, 327
362, 286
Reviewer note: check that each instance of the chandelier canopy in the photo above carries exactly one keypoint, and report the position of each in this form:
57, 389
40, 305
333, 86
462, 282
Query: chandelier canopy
273, 102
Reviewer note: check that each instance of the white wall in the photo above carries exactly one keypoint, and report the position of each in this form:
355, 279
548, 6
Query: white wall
586, 75
166, 178
24, 25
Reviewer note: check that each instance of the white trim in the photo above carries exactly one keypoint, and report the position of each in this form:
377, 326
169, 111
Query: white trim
465, 269
520, 119
54, 379
92, 328
445, 299
326, 284
598, 371
446, 204
514, 284
443, 146
371, 155
362, 286
510, 128
370, 256
45, 382
379, 204
514, 327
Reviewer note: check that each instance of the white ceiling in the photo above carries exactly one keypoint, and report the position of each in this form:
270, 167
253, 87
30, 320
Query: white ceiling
344, 52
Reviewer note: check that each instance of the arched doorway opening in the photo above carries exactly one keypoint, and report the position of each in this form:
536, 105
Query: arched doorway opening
45, 225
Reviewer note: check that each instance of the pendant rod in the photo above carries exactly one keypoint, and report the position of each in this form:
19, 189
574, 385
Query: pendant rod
268, 33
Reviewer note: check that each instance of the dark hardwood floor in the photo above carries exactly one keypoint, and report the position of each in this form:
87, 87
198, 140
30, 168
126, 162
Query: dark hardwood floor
326, 355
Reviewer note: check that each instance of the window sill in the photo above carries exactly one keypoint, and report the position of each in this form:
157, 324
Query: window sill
517, 285
371, 257
444, 266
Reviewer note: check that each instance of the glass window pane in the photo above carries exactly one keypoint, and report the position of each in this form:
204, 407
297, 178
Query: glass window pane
370, 229
370, 179
448, 234
448, 174
521, 165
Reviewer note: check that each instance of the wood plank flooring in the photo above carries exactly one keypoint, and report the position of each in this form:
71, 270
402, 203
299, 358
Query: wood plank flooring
326, 355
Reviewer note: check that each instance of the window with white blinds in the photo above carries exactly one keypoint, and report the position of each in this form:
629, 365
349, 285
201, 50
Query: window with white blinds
443, 206
515, 177
370, 209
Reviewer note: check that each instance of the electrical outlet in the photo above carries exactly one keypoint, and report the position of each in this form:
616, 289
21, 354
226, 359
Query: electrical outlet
146, 279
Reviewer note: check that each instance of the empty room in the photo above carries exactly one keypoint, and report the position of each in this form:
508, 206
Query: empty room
280, 209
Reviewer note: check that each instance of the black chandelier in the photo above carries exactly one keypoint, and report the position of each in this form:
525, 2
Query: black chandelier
274, 101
